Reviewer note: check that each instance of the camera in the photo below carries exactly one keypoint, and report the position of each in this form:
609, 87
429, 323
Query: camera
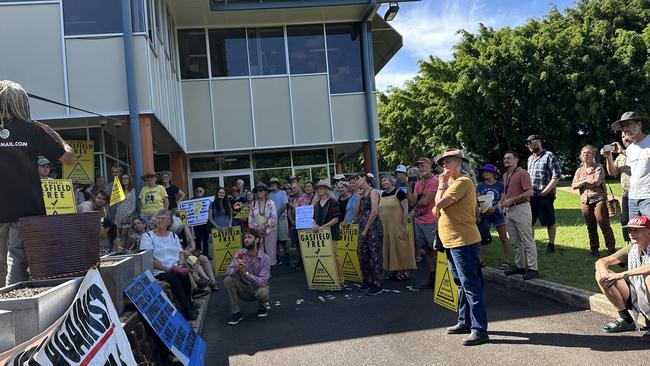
609, 147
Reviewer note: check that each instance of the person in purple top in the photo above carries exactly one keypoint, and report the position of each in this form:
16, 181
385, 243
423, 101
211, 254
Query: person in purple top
247, 278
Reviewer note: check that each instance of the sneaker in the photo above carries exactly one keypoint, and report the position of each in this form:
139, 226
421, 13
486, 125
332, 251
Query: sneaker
530, 274
262, 312
374, 290
550, 248
365, 286
236, 318
459, 329
514, 271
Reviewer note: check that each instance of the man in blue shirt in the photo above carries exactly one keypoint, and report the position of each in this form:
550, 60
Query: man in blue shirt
544, 170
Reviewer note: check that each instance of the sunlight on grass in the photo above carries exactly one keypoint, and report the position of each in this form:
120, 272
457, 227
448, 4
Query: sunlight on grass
571, 263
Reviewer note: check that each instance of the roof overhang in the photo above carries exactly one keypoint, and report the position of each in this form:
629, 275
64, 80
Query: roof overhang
234, 5
386, 41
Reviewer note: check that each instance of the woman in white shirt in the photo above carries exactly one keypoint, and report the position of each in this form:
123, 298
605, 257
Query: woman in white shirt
167, 262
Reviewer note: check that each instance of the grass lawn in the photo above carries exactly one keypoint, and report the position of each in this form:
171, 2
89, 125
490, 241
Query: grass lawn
571, 263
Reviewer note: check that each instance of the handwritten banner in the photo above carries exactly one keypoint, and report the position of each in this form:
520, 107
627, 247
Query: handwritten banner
197, 210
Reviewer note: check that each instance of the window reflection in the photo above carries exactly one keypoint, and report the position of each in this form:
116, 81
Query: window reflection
266, 48
228, 52
193, 54
306, 49
99, 16
344, 56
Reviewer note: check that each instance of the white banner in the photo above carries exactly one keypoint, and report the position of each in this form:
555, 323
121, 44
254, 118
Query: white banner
89, 333
197, 210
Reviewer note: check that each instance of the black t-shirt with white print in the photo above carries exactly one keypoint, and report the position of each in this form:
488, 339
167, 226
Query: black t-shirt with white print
20, 187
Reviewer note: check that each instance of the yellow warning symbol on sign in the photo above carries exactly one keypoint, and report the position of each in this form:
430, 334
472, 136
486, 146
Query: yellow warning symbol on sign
84, 170
347, 249
321, 276
225, 243
446, 291
319, 260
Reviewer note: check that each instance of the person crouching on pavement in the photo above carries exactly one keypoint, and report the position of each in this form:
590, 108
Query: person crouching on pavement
247, 278
630, 289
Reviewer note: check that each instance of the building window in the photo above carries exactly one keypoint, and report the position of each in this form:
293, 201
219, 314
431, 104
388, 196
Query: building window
309, 157
344, 57
193, 54
272, 160
267, 53
228, 55
306, 49
99, 16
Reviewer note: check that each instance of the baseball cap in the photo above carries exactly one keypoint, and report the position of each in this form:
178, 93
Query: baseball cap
627, 116
42, 160
400, 169
338, 177
273, 180
639, 222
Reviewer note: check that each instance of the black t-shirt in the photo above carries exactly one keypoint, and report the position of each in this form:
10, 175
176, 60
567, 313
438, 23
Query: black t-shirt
20, 187
236, 205
172, 191
396, 192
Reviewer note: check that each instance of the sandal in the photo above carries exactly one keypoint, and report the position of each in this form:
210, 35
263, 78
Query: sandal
213, 286
619, 325
483, 264
504, 265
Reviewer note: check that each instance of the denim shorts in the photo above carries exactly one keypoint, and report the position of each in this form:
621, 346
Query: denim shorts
495, 219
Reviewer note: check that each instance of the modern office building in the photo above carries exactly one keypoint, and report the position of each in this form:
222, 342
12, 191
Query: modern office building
225, 89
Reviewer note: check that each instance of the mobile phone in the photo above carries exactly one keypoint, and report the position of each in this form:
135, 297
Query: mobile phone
413, 179
609, 147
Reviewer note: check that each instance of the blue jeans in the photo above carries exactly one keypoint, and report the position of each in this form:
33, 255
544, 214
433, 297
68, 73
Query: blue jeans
639, 207
465, 267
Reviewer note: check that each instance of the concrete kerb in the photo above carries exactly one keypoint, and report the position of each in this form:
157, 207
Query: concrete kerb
564, 294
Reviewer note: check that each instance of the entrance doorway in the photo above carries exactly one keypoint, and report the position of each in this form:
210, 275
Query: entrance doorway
211, 181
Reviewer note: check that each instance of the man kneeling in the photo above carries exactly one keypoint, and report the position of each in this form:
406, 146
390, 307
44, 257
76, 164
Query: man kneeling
628, 290
247, 278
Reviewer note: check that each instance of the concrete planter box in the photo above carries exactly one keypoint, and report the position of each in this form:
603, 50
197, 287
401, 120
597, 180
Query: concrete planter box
32, 315
117, 273
143, 260
7, 331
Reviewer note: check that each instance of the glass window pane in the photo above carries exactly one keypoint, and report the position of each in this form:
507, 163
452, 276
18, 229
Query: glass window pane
228, 53
123, 152
76, 134
266, 174
150, 22
99, 16
192, 53
319, 173
98, 166
266, 47
109, 140
272, 160
303, 175
309, 157
344, 56
306, 49
210, 185
204, 164
235, 162
95, 135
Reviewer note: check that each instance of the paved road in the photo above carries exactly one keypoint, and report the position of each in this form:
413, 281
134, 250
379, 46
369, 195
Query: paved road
407, 328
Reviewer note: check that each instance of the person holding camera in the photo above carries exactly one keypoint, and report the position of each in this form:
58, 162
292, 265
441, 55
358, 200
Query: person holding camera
421, 196
589, 179
616, 167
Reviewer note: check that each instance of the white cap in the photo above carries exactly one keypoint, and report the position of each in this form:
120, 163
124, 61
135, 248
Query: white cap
400, 169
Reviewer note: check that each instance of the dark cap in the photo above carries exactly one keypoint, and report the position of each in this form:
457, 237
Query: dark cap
533, 138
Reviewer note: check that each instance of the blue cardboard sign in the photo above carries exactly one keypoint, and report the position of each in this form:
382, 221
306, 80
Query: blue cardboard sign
151, 301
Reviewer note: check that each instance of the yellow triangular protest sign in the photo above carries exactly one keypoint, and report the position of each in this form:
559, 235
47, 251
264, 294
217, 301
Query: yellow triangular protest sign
117, 194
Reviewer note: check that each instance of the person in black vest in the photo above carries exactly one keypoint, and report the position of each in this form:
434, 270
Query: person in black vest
21, 142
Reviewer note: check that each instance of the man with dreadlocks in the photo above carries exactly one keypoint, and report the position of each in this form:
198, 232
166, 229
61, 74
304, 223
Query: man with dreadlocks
21, 142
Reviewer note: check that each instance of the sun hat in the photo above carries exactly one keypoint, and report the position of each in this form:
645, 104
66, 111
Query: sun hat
627, 116
488, 168
261, 185
339, 177
400, 169
323, 183
150, 174
457, 153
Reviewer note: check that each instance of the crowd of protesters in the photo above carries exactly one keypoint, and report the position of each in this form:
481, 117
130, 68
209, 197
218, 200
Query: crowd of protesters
450, 210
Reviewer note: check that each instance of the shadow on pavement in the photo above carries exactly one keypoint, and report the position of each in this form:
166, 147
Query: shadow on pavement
301, 317
602, 343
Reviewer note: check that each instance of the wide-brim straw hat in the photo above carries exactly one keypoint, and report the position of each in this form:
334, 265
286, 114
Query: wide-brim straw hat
149, 175
457, 153
259, 186
324, 183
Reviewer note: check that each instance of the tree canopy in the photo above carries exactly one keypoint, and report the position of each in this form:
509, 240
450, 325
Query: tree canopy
566, 77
